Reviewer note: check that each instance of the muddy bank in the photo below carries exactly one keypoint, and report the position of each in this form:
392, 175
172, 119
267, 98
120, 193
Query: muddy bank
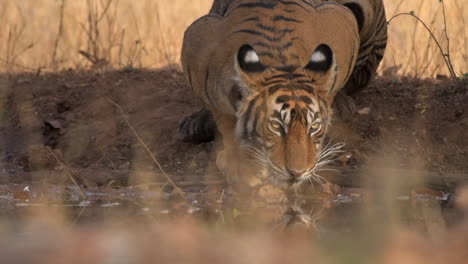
57, 124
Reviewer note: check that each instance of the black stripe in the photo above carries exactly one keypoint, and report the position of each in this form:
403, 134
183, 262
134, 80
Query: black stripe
189, 73
261, 5
248, 113
288, 76
265, 54
311, 110
326, 3
235, 95
274, 29
283, 59
261, 109
382, 22
276, 114
304, 112
272, 82
286, 30
287, 68
287, 19
381, 41
284, 47
266, 28
323, 105
276, 47
378, 47
381, 15
292, 3
256, 18
361, 59
273, 89
206, 87
254, 133
307, 3
257, 33
283, 99
262, 44
304, 88
305, 81
293, 113
350, 65
366, 46
306, 99
252, 32
334, 79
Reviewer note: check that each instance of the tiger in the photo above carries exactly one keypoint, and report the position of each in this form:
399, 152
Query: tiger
268, 71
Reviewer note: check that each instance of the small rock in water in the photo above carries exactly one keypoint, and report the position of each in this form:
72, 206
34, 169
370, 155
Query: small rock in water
84, 203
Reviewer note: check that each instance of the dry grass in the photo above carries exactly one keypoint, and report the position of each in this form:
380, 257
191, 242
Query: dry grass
125, 33
43, 34
411, 46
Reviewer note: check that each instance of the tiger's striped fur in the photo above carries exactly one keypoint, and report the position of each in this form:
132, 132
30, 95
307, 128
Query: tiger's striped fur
372, 23
373, 41
268, 71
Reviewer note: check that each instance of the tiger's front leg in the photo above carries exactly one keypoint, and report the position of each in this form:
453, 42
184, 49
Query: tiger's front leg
226, 147
231, 159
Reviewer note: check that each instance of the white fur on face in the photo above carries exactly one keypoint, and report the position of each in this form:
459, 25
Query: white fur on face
318, 56
251, 57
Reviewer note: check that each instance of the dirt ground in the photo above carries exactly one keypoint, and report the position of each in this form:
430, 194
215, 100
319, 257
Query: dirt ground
58, 127
56, 124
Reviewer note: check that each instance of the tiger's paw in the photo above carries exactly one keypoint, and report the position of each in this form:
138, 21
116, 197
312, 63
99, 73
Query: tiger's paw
198, 127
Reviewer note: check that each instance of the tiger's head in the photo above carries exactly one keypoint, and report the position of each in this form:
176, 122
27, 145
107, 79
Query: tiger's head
284, 100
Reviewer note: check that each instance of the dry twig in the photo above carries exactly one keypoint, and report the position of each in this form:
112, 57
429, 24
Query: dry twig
179, 191
445, 55
68, 171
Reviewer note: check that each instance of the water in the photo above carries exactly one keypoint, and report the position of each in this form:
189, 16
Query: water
349, 209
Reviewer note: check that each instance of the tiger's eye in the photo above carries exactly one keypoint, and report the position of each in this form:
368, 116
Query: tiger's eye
315, 126
276, 125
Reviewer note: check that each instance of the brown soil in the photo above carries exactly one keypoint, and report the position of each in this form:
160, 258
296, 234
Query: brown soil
411, 123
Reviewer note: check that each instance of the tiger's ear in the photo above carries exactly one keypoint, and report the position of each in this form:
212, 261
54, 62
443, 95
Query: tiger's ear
321, 60
335, 45
248, 60
248, 68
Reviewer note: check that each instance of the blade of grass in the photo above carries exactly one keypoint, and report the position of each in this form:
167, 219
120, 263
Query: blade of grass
178, 190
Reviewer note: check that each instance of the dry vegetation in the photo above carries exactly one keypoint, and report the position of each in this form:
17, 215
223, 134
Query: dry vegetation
49, 34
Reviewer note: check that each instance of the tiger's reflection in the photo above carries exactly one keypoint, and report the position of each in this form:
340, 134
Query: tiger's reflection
303, 212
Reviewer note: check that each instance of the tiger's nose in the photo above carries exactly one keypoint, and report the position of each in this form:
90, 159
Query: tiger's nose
297, 173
